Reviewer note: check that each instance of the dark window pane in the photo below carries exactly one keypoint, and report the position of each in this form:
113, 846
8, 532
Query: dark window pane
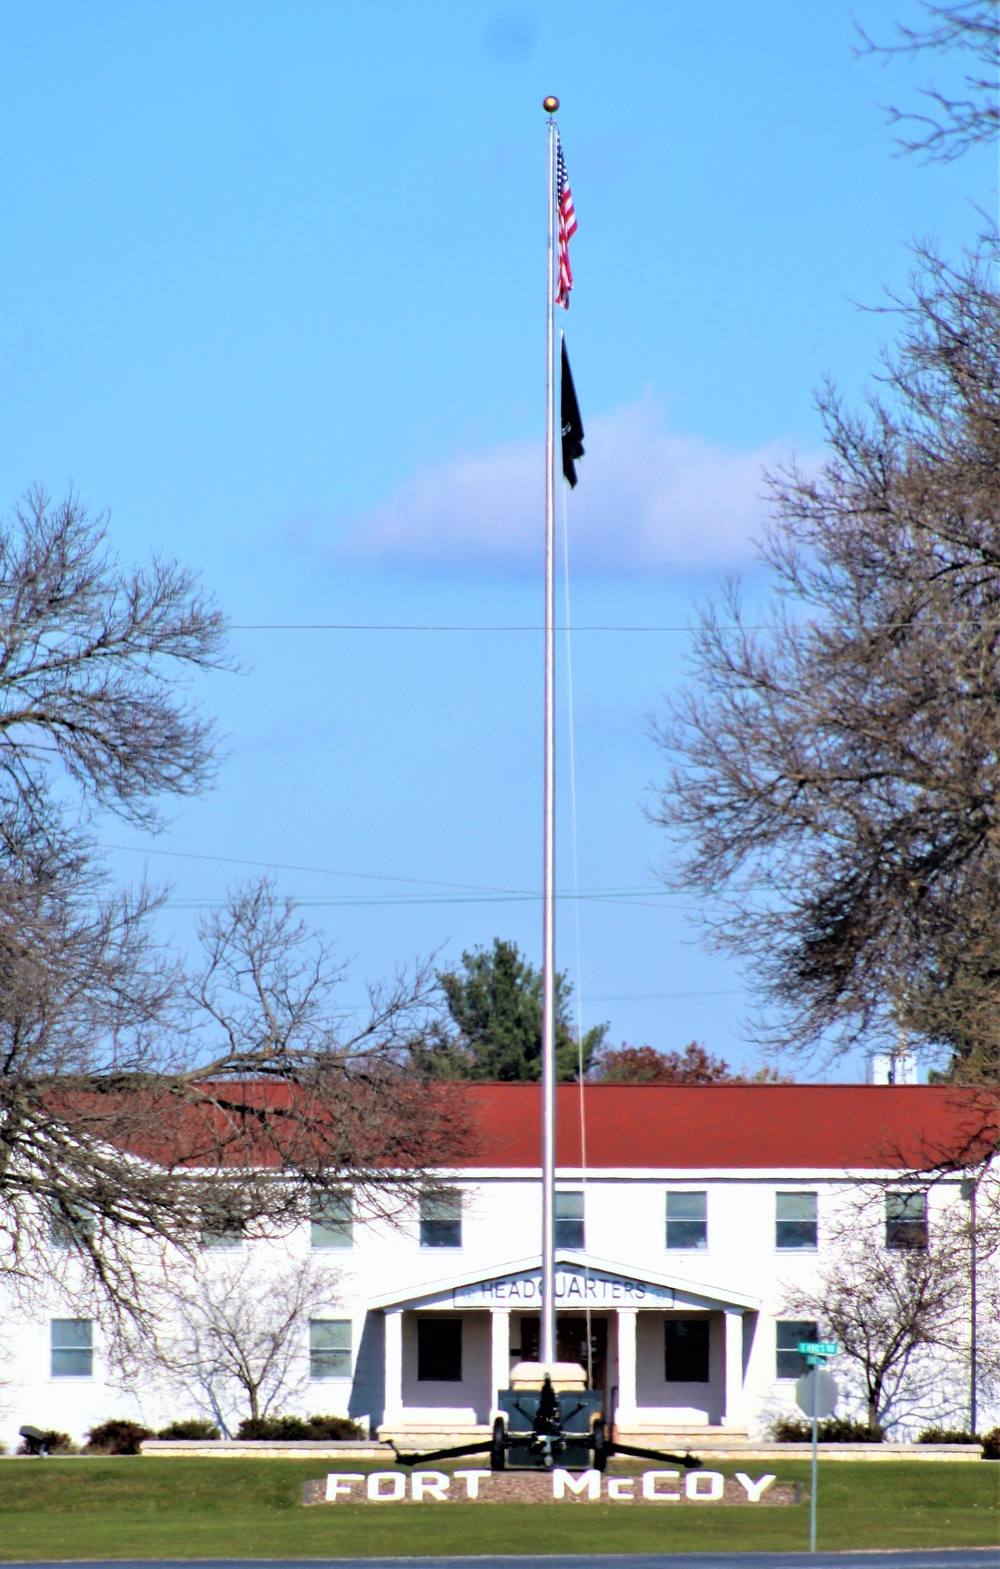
569, 1220
439, 1350
220, 1231
68, 1228
687, 1220
72, 1348
906, 1220
790, 1362
441, 1220
330, 1348
687, 1350
332, 1220
795, 1220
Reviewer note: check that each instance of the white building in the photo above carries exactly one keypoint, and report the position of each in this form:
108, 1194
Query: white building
698, 1209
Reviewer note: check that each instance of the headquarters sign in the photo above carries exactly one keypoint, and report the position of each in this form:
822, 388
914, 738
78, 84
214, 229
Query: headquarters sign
574, 1287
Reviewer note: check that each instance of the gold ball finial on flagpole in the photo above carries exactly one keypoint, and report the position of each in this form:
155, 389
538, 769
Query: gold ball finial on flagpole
550, 105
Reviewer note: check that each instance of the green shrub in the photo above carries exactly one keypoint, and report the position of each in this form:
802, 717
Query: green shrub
833, 1430
191, 1427
117, 1437
52, 1442
991, 1444
288, 1429
946, 1435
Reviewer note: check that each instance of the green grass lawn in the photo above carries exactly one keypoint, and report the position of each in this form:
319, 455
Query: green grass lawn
250, 1508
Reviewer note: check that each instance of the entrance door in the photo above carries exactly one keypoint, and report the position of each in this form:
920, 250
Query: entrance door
571, 1343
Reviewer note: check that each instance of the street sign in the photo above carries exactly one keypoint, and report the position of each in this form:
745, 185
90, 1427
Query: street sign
826, 1394
818, 1348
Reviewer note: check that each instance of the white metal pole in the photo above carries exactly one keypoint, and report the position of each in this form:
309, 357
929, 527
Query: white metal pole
548, 1323
814, 1483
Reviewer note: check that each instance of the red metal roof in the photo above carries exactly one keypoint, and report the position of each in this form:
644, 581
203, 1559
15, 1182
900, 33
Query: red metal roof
714, 1126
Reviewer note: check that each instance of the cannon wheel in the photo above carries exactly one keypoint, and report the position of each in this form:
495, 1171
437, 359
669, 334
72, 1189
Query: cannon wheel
498, 1452
600, 1444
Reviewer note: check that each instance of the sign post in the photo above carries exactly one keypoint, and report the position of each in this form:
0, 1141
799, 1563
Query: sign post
816, 1395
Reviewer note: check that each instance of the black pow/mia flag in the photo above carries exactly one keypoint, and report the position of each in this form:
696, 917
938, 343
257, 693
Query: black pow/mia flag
572, 425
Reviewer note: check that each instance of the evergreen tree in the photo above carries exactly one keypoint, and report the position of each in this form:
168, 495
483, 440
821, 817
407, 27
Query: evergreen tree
494, 1026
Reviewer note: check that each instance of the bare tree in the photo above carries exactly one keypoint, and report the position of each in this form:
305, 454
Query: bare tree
897, 1316
835, 773
956, 122
134, 1101
238, 1342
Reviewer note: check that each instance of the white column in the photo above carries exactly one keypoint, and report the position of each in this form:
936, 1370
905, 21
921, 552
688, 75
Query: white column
500, 1352
393, 1366
627, 1411
733, 1413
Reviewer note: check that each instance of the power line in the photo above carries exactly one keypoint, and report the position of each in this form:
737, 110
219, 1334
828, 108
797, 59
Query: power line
371, 626
320, 871
731, 991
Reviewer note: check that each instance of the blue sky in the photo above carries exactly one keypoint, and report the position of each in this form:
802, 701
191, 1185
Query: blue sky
272, 285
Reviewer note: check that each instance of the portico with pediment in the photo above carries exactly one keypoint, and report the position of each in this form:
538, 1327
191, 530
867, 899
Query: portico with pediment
668, 1355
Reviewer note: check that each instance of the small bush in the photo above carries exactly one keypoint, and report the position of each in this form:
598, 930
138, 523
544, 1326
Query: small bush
833, 1430
117, 1437
946, 1435
52, 1442
288, 1429
193, 1427
991, 1444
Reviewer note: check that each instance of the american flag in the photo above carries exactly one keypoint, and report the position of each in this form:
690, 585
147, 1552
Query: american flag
567, 228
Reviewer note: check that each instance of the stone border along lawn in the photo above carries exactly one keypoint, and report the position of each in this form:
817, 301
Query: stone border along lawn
135, 1508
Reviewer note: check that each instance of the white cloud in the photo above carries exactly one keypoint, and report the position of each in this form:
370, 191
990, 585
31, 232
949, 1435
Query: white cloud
648, 500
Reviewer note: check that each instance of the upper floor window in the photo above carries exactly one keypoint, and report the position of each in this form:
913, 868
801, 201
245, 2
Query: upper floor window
441, 1220
795, 1220
222, 1234
68, 1228
329, 1348
791, 1363
569, 1220
331, 1218
687, 1350
906, 1220
72, 1342
687, 1220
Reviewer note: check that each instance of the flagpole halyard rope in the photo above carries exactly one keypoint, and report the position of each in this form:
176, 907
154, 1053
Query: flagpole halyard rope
574, 838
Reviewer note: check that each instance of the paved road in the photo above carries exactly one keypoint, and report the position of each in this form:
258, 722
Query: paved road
931, 1558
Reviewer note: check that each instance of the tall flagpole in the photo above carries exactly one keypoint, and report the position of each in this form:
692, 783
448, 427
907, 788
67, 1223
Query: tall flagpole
548, 1318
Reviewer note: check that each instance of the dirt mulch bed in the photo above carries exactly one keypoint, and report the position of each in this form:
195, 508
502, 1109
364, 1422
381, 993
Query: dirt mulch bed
535, 1487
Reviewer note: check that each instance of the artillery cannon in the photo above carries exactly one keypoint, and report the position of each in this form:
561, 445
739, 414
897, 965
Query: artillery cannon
549, 1417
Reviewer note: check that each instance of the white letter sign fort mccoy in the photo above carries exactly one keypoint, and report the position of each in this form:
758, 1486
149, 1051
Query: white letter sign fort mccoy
483, 1486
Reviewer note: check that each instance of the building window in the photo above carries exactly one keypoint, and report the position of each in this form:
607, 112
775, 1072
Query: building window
329, 1348
441, 1220
906, 1220
686, 1342
72, 1348
439, 1350
69, 1228
332, 1220
687, 1220
795, 1220
790, 1361
220, 1230
569, 1220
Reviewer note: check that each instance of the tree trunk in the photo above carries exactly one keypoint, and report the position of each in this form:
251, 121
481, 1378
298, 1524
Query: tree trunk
874, 1394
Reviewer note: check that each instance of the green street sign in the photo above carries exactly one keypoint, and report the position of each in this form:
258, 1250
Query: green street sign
818, 1348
